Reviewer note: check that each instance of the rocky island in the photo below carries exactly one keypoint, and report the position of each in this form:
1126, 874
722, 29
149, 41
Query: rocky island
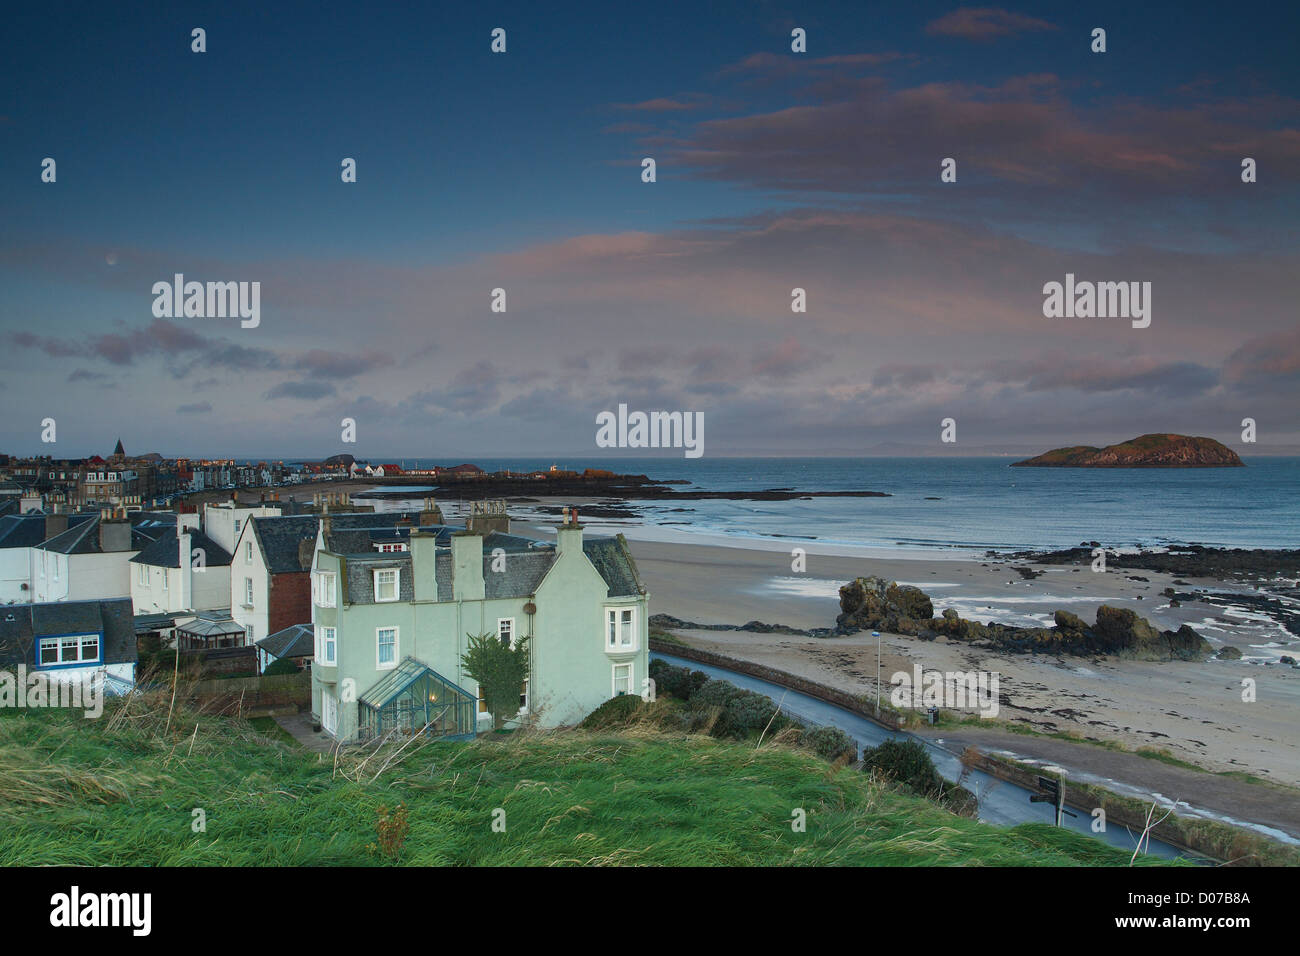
1147, 451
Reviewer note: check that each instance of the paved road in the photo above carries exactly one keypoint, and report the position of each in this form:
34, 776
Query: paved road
1000, 802
1271, 810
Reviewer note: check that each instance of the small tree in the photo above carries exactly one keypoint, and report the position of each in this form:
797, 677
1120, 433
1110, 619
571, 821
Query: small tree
500, 671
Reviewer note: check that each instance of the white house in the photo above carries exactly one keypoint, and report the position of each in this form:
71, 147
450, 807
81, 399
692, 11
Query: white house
224, 521
269, 581
183, 571
19, 534
89, 561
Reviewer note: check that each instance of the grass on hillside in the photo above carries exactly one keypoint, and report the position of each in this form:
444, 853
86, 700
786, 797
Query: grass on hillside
121, 790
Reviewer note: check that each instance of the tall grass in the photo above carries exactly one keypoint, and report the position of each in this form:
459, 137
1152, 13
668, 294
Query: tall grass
121, 790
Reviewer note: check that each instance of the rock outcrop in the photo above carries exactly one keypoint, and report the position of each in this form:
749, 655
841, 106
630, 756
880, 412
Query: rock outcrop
875, 604
1147, 451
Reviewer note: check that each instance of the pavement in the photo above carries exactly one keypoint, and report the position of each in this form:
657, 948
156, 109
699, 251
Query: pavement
299, 726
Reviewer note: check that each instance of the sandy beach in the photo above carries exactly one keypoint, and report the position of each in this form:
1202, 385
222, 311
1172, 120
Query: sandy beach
1193, 710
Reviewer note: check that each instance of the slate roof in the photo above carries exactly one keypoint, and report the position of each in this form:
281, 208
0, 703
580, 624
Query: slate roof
527, 562
614, 562
296, 641
165, 552
83, 538
361, 580
27, 531
22, 624
278, 537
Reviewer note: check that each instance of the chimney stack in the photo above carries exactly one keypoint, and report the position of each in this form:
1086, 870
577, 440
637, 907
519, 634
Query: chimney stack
431, 514
114, 534
568, 537
55, 524
424, 555
467, 566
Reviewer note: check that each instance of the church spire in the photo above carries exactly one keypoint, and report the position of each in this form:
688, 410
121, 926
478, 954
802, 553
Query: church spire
119, 452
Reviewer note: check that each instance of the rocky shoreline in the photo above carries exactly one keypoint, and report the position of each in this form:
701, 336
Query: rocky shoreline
1193, 561
872, 603
478, 490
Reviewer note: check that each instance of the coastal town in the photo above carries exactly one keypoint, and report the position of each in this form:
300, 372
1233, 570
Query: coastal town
356, 510
116, 560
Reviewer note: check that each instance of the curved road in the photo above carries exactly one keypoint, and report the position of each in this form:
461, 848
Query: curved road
1000, 802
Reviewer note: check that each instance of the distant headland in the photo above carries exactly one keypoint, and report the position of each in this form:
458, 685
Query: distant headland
1146, 451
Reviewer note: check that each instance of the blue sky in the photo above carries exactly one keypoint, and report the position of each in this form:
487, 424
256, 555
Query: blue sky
521, 171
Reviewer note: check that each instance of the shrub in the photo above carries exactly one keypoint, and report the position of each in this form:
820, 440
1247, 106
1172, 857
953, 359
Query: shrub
750, 712
281, 665
679, 682
830, 743
615, 712
714, 693
907, 762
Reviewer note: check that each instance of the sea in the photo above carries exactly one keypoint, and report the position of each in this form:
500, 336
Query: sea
964, 504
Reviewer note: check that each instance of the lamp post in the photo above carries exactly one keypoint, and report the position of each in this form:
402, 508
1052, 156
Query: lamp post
876, 635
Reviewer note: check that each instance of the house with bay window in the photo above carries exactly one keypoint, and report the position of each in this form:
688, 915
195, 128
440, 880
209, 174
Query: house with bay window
391, 627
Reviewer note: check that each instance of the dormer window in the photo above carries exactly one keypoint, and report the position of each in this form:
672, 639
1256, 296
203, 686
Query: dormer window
386, 584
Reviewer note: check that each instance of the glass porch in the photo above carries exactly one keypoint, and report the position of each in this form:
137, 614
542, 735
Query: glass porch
414, 698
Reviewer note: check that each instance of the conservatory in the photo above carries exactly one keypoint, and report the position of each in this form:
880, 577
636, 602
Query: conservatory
413, 698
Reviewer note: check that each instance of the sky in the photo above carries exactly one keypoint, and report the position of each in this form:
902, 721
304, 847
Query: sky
522, 171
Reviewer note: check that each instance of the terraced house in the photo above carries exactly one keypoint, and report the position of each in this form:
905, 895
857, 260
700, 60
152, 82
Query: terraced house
392, 620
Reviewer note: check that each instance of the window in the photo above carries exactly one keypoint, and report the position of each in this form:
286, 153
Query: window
386, 647
622, 679
386, 584
391, 548
248, 635
70, 649
164, 579
482, 704
327, 645
144, 574
506, 630
620, 632
248, 549
248, 592
325, 589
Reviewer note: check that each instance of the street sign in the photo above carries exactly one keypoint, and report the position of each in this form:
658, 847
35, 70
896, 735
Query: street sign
1052, 791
